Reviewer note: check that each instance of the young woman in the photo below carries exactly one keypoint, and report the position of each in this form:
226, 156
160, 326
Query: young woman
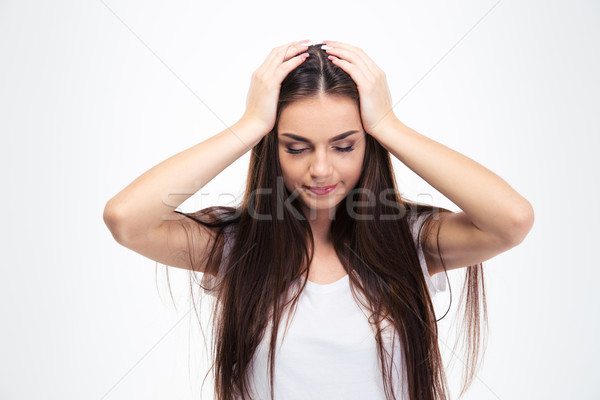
322, 240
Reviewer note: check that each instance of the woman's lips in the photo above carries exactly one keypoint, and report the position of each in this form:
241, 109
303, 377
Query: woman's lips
322, 189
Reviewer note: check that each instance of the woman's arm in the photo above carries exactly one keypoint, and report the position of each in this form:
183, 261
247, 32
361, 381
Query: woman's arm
494, 219
489, 202
152, 198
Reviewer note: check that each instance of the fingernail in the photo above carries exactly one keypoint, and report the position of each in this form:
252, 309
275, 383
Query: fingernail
325, 47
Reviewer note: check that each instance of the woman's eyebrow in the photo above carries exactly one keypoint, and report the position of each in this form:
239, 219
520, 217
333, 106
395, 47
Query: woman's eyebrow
333, 139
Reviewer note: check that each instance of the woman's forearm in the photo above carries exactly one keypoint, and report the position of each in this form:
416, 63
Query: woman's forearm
491, 204
152, 198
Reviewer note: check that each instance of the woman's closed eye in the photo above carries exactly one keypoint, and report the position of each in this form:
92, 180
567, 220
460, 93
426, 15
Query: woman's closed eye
340, 149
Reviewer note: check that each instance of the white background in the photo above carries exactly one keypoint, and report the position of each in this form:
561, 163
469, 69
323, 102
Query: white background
93, 94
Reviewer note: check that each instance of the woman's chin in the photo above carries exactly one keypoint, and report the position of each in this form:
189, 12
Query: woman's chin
320, 204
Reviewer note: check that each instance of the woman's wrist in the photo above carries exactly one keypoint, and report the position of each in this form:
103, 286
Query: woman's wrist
250, 131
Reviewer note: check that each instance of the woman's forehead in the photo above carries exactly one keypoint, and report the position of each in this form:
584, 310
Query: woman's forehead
320, 118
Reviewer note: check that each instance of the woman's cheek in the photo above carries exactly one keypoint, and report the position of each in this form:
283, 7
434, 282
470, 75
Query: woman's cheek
288, 180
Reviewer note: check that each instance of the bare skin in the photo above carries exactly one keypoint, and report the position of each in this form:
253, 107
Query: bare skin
322, 162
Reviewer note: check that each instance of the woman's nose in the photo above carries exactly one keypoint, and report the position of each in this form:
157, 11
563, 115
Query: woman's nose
320, 166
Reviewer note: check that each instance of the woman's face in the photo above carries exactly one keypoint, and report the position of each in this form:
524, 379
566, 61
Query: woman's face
321, 144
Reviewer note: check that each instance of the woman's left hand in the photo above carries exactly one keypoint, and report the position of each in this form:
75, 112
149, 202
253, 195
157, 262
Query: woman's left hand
376, 109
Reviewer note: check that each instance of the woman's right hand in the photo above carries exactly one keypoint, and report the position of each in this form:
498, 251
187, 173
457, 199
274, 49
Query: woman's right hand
263, 95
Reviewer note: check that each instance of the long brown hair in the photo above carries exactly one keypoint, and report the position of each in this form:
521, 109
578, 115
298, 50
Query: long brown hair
269, 239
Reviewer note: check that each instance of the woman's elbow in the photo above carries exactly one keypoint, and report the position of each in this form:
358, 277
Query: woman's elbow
523, 222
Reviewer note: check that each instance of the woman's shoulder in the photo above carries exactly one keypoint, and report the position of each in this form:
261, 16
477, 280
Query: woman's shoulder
416, 219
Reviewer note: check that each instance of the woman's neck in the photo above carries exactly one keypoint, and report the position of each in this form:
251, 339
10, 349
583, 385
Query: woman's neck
320, 227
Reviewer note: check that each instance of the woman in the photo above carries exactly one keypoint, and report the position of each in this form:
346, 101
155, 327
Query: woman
322, 218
